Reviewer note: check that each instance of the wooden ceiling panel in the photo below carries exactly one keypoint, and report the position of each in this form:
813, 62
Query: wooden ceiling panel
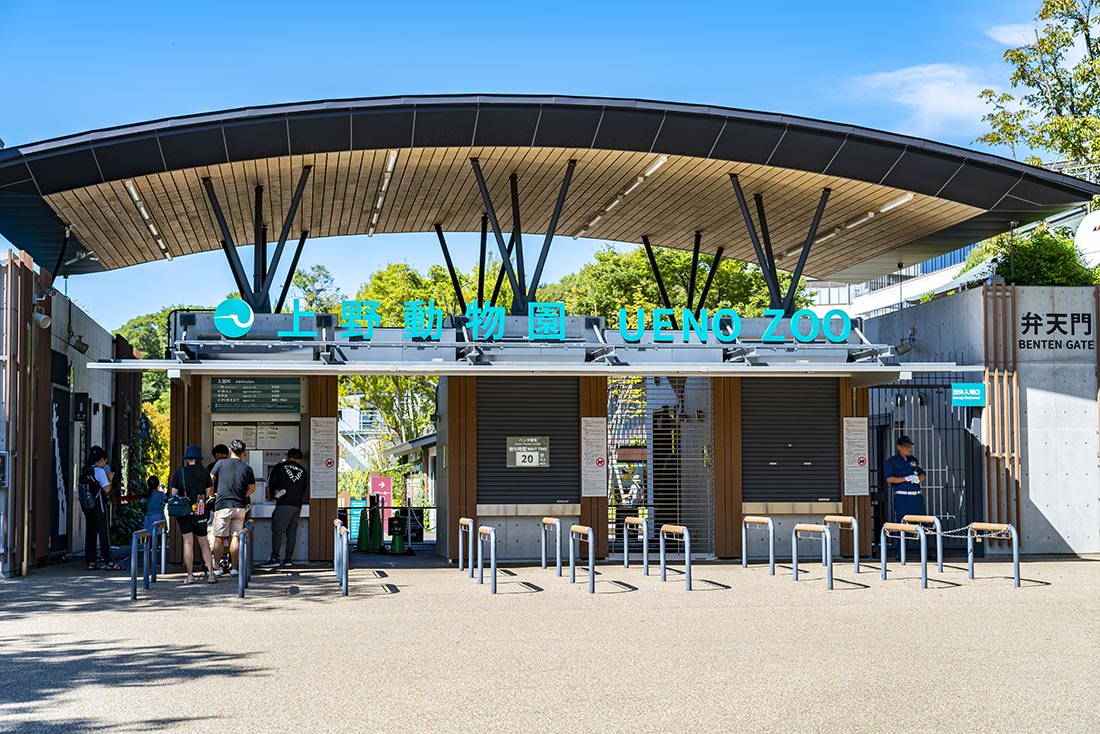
431, 185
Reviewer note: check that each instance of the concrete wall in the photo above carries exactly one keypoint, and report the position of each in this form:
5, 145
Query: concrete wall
1060, 469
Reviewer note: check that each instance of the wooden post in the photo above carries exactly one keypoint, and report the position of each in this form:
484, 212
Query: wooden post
726, 400
593, 395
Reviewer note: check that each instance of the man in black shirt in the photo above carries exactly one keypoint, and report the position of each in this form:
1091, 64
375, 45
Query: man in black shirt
288, 485
234, 480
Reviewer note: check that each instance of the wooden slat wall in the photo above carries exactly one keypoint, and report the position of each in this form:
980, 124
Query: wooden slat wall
19, 366
726, 398
854, 403
461, 457
323, 403
593, 392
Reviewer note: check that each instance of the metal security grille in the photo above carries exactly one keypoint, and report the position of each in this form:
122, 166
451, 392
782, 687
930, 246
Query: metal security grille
660, 446
790, 439
527, 406
946, 440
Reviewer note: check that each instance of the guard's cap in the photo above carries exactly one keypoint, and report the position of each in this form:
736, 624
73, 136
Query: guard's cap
904, 441
192, 452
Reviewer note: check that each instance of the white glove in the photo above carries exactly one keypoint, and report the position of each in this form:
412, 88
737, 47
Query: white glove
913, 479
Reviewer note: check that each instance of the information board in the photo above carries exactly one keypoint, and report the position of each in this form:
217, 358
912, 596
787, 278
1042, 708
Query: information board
255, 395
857, 477
528, 452
593, 457
226, 432
967, 394
323, 458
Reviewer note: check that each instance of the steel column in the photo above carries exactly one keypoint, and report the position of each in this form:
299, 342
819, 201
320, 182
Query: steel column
694, 268
56, 272
505, 255
269, 278
500, 275
259, 253
658, 278
227, 245
770, 278
551, 229
290, 273
765, 236
788, 302
519, 298
710, 278
481, 260
451, 269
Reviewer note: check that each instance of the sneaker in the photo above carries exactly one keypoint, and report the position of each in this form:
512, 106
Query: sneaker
286, 563
217, 572
271, 563
212, 578
233, 572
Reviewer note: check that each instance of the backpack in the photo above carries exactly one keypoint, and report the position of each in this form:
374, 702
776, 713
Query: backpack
88, 489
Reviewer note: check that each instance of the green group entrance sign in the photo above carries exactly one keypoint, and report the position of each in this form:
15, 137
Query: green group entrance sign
255, 395
528, 452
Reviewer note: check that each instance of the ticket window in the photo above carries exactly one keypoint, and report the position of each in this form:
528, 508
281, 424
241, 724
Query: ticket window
267, 443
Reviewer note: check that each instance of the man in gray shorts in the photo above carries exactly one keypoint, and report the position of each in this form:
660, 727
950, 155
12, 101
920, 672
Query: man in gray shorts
235, 481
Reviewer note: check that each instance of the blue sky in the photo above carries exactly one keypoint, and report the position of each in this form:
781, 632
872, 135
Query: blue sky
71, 67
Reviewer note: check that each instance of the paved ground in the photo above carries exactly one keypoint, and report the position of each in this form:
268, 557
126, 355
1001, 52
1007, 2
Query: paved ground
425, 649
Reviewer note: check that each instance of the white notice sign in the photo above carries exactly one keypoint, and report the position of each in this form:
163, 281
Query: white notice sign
593, 457
857, 477
323, 456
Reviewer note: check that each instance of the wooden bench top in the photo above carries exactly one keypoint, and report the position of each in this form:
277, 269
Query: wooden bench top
809, 528
991, 527
756, 519
840, 519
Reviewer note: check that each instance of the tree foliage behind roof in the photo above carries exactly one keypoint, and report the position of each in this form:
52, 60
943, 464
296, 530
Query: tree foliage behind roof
1043, 256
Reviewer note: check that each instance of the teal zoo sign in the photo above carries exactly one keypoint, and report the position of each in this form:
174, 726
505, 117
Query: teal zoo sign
233, 318
965, 394
546, 322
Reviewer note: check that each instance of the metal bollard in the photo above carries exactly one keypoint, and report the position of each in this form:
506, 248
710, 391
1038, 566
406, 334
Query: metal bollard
340, 555
146, 559
680, 530
486, 532
643, 535
996, 528
904, 528
242, 562
853, 523
755, 520
556, 522
466, 525
140, 538
575, 533
937, 527
826, 549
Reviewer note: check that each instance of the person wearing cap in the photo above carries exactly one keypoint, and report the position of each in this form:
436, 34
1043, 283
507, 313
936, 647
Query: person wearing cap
235, 481
904, 474
193, 481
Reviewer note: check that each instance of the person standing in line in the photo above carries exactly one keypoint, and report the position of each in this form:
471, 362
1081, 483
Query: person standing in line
288, 486
235, 482
219, 452
154, 504
192, 481
97, 484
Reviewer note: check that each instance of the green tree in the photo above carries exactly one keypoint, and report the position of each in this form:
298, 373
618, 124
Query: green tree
148, 334
317, 290
1055, 81
1043, 256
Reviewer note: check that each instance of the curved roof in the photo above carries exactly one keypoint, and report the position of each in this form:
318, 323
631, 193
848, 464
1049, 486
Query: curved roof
958, 195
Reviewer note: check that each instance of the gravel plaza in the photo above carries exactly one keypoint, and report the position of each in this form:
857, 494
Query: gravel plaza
424, 648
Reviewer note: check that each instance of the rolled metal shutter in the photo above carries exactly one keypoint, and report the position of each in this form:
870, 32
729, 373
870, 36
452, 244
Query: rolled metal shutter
790, 439
528, 406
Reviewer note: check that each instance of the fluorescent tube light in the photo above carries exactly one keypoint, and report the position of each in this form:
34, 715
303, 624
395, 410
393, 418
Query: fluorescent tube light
895, 203
383, 186
861, 219
654, 166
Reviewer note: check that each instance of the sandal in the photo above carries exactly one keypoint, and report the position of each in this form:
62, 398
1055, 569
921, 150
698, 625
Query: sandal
112, 566
92, 567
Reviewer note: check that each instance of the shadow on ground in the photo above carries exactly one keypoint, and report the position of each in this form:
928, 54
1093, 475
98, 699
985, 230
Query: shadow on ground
39, 670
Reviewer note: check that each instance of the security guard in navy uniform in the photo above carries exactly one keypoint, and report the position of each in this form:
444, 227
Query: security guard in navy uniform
904, 474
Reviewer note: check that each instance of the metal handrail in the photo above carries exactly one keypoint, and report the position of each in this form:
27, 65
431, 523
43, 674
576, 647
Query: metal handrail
244, 558
466, 525
142, 538
843, 522
489, 533
826, 549
758, 520
992, 527
643, 535
556, 523
577, 534
903, 529
682, 531
340, 554
937, 530
160, 529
